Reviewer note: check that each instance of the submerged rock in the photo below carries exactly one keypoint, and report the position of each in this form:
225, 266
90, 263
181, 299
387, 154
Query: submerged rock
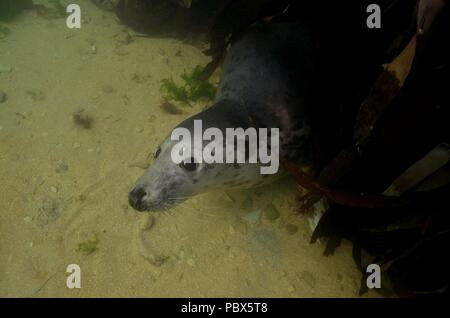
253, 217
50, 210
271, 213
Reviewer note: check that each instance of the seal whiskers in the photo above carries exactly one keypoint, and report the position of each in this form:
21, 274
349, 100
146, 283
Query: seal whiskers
194, 211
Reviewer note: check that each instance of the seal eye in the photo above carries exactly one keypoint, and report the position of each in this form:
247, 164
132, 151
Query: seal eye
189, 166
157, 152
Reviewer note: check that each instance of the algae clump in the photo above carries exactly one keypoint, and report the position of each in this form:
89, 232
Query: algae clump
88, 247
193, 88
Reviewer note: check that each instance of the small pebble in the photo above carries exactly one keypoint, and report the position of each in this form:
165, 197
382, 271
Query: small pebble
170, 108
291, 229
124, 37
53, 189
23, 115
147, 223
253, 217
27, 219
108, 89
191, 262
61, 167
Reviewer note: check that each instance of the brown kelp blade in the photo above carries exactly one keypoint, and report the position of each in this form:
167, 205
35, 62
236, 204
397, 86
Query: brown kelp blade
384, 90
380, 97
351, 199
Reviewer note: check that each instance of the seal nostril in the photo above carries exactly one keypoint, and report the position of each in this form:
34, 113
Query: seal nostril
135, 198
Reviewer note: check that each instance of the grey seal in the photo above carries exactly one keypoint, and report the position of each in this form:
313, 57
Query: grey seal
266, 82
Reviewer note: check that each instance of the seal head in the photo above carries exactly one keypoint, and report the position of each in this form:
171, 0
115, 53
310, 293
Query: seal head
166, 184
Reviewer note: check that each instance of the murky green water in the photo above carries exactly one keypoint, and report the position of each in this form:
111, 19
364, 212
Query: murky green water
64, 187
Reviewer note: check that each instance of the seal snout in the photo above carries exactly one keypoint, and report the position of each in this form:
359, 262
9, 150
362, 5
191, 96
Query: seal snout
136, 199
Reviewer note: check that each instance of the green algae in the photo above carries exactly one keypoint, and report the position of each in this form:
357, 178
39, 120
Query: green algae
88, 247
193, 88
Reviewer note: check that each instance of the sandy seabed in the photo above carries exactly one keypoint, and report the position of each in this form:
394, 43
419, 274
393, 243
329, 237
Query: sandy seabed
62, 185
